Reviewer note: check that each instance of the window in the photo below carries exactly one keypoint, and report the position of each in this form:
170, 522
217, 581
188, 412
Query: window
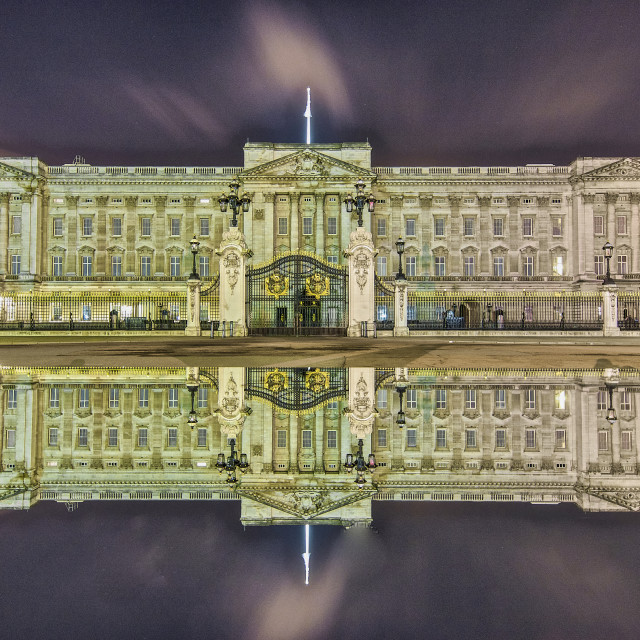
332, 226
412, 438
175, 226
439, 227
203, 398
598, 225
53, 436
174, 266
145, 266
411, 265
145, 226
12, 398
622, 264
469, 266
500, 399
332, 259
498, 227
306, 438
382, 226
601, 402
173, 398
558, 266
142, 437
530, 438
382, 399
204, 226
116, 266
626, 440
15, 265
625, 400
530, 400
332, 439
87, 265
603, 440
114, 398
54, 398
556, 225
143, 398
307, 226
527, 227
116, 226
203, 262
381, 265
57, 227
622, 225
412, 398
202, 437
112, 437
561, 438
471, 437
281, 439
468, 226
470, 399
527, 266
282, 226
439, 268
16, 225
87, 226
56, 265
83, 437
382, 438
83, 399
11, 438
560, 400
441, 398
501, 438
172, 437
410, 227
599, 265
441, 438
498, 266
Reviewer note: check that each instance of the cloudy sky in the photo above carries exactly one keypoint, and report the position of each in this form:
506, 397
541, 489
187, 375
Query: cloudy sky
466, 82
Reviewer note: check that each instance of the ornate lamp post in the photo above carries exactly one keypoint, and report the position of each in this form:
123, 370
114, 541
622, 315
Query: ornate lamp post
400, 250
360, 465
232, 462
608, 253
360, 200
234, 200
194, 250
192, 420
611, 416
401, 419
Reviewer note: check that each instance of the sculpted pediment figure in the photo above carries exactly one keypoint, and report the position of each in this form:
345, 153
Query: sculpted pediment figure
626, 168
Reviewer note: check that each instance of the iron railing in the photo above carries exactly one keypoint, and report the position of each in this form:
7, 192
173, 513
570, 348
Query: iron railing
210, 304
629, 310
385, 304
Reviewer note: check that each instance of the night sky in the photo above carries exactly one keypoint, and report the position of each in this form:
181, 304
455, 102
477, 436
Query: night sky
428, 83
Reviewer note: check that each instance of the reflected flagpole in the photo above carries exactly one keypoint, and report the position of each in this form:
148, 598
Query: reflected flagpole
307, 115
306, 555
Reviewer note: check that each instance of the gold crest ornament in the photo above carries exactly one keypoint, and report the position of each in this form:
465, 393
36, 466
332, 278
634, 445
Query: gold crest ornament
276, 285
276, 381
317, 285
317, 381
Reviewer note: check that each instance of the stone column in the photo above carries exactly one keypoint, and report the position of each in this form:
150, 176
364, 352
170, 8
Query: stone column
610, 311
130, 227
485, 268
634, 198
425, 227
4, 232
612, 231
455, 236
294, 217
73, 265
233, 251
320, 224
400, 321
193, 307
159, 236
543, 233
268, 248
29, 226
512, 268
361, 254
586, 252
101, 239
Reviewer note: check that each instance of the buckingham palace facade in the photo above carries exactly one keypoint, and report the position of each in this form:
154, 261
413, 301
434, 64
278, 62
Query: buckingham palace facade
534, 226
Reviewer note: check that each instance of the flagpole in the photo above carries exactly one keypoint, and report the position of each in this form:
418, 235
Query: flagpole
307, 115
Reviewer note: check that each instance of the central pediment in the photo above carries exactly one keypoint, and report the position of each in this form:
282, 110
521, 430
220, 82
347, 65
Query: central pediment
626, 168
308, 164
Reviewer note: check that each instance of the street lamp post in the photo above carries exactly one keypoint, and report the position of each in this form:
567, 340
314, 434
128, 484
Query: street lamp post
611, 416
194, 250
401, 418
232, 462
400, 250
360, 201
360, 465
234, 200
192, 420
608, 253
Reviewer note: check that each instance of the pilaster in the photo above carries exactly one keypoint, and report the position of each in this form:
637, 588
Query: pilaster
320, 230
486, 233
193, 307
610, 311
160, 232
73, 264
4, 231
455, 236
101, 252
294, 218
634, 199
361, 255
400, 309
130, 223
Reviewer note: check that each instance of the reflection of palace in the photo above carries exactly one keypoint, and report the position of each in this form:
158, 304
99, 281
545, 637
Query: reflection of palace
72, 435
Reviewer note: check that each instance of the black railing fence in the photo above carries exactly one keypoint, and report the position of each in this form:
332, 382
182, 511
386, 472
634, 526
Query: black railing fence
384, 304
629, 310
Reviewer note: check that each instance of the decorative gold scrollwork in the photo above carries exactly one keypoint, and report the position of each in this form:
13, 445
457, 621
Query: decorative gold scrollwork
317, 381
317, 285
276, 381
276, 285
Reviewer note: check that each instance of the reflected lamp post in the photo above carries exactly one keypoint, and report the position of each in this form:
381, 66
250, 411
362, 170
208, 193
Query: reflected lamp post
235, 201
194, 250
611, 415
400, 251
608, 254
401, 419
231, 462
360, 201
360, 465
192, 420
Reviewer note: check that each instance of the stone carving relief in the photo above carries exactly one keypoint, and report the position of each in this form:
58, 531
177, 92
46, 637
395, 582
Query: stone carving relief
361, 269
232, 264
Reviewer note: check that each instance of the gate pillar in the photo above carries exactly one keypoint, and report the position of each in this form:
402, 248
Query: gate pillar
233, 253
400, 327
193, 307
610, 307
361, 254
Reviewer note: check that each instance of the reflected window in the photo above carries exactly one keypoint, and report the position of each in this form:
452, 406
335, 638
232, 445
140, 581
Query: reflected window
470, 399
172, 437
381, 399
143, 398
12, 398
530, 438
441, 438
412, 398
500, 399
306, 439
83, 399
471, 439
530, 399
142, 437
560, 400
83, 437
114, 398
382, 438
603, 441
113, 437
173, 398
332, 439
561, 438
626, 440
332, 405
53, 436
625, 400
202, 437
601, 403
11, 438
203, 398
501, 438
281, 439
54, 398
412, 438
441, 398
